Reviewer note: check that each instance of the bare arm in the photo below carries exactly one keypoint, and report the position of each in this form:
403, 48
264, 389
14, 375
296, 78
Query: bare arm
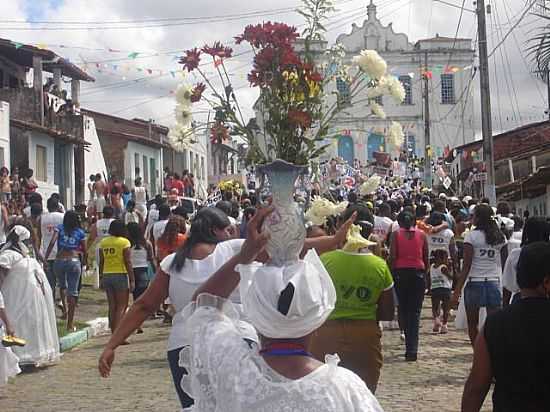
101, 262
129, 268
146, 305
386, 307
226, 279
51, 245
393, 251
93, 234
425, 252
478, 383
467, 264
150, 255
325, 244
10, 331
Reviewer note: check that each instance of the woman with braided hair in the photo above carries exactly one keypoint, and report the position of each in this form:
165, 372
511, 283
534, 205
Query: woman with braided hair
484, 257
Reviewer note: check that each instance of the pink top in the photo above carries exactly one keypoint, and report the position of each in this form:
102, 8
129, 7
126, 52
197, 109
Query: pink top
409, 253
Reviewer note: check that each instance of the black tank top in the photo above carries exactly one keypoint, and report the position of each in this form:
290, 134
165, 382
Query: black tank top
518, 340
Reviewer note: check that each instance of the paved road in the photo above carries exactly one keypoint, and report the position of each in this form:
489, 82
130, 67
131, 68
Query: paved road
141, 379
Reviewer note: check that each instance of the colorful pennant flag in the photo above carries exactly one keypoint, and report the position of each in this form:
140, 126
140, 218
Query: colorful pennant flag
133, 55
17, 45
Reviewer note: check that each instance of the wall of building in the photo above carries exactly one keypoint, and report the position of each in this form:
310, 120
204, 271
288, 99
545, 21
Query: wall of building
114, 153
94, 162
5, 135
46, 186
450, 123
138, 160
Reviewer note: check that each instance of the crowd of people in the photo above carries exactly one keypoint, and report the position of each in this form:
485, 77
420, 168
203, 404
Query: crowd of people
366, 269
382, 256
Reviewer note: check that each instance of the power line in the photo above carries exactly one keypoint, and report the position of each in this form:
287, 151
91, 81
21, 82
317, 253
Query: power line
513, 27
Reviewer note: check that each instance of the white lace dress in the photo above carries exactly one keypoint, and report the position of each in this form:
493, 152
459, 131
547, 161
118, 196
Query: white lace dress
30, 308
9, 363
227, 375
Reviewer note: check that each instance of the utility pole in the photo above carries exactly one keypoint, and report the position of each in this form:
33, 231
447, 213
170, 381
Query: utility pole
428, 150
486, 125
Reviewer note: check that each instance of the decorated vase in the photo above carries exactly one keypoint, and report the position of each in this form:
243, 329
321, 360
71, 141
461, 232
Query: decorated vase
286, 224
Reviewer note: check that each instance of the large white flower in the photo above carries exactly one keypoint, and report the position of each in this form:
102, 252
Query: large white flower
396, 135
183, 96
370, 63
355, 241
377, 110
395, 88
321, 208
370, 185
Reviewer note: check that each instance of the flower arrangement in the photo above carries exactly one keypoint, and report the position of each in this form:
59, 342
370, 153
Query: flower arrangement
232, 186
322, 208
294, 114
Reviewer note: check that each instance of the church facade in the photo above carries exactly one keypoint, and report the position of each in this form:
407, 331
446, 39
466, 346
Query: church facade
448, 63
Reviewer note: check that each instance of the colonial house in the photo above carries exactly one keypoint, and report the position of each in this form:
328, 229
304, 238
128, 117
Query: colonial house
193, 159
522, 161
46, 129
448, 63
132, 148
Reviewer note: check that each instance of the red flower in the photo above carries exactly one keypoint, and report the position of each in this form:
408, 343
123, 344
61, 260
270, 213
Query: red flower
196, 93
218, 50
191, 59
219, 133
289, 58
276, 34
300, 118
316, 77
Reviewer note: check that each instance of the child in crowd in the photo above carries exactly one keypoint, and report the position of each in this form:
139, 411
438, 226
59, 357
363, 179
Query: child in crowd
441, 287
9, 363
5, 185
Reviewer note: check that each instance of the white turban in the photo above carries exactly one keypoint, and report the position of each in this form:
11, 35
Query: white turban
313, 300
22, 232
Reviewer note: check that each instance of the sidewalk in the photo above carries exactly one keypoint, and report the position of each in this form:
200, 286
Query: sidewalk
90, 317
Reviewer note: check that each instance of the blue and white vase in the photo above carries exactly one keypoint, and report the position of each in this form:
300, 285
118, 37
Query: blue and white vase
285, 225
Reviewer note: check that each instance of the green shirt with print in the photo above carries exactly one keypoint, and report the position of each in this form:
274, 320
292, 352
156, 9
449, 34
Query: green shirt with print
359, 280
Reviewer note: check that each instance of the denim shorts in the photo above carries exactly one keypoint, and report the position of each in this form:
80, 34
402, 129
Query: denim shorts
485, 293
67, 272
115, 281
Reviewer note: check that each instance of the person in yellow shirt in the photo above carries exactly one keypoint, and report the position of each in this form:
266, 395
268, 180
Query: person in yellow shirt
115, 271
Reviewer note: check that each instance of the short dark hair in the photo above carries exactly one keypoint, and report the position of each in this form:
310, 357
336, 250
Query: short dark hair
108, 212
164, 212
52, 205
532, 265
364, 218
225, 206
117, 228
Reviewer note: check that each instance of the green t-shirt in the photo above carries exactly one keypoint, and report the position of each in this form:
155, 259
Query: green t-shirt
359, 280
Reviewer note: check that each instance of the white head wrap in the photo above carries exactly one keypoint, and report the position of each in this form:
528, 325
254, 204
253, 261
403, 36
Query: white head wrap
313, 301
23, 234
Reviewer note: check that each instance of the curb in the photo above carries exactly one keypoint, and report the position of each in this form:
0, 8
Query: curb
96, 327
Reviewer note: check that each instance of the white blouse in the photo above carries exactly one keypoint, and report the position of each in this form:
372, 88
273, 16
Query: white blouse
184, 282
226, 374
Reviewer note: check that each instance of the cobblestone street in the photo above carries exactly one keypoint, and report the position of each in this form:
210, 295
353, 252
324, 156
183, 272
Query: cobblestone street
141, 379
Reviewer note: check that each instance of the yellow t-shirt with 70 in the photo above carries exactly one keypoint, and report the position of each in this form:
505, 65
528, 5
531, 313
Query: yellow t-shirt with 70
113, 254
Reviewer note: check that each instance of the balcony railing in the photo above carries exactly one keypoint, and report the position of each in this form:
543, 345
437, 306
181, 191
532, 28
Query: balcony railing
25, 106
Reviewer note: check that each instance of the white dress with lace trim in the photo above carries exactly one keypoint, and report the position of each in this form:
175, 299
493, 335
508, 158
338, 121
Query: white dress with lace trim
226, 374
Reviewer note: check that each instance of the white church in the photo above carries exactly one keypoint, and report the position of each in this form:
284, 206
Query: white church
450, 64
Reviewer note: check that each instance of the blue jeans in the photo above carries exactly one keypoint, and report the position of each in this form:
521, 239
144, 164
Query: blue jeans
410, 287
50, 275
68, 273
178, 373
482, 294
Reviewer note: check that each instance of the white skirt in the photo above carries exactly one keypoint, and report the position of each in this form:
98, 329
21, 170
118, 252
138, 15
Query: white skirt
9, 363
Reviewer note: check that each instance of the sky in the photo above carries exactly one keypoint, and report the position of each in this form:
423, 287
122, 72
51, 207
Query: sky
143, 85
